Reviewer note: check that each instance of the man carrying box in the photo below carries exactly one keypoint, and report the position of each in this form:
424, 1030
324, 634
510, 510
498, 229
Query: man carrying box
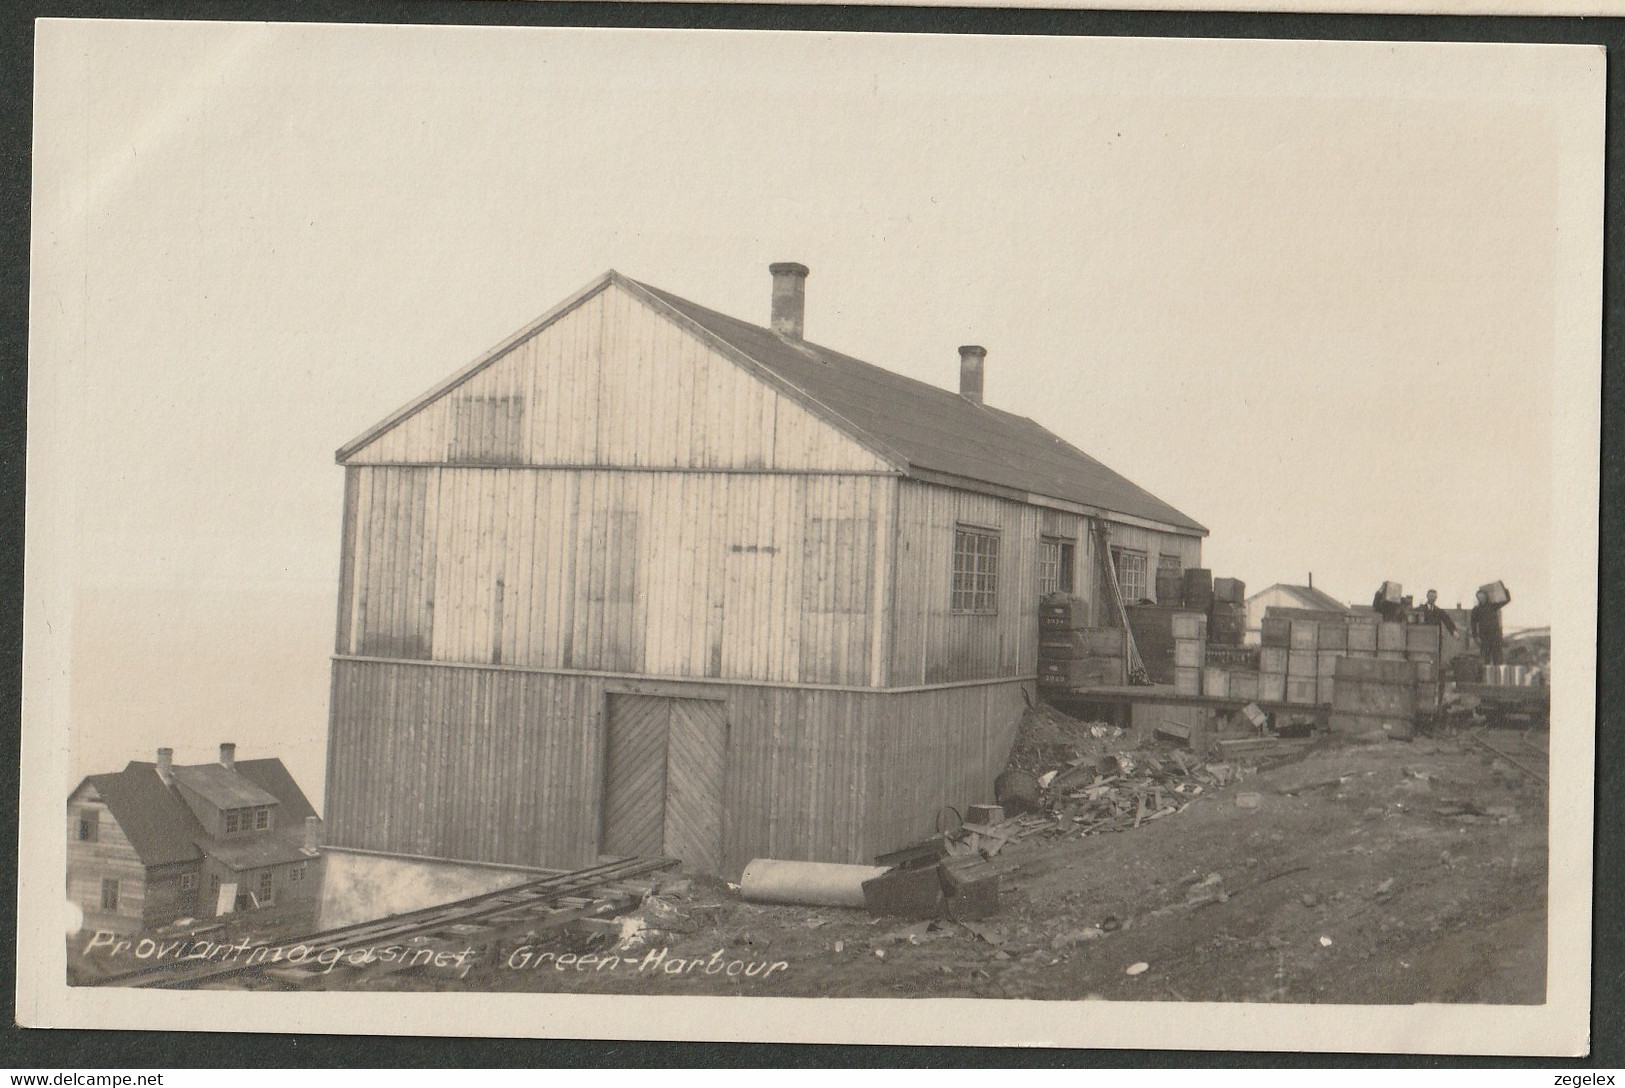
1485, 625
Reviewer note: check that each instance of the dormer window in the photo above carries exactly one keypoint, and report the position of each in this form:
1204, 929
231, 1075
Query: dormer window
241, 820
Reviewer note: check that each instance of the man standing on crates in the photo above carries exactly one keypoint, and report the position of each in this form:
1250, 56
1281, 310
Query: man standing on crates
1432, 613
1485, 625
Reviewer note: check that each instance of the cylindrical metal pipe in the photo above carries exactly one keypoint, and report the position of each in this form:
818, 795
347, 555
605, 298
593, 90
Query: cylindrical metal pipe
806, 883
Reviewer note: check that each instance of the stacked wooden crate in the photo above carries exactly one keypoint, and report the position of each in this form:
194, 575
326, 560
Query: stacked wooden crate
1172, 644
1374, 695
1072, 654
1227, 616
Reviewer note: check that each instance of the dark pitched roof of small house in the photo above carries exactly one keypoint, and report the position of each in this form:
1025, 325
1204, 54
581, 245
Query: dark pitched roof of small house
161, 826
932, 428
221, 787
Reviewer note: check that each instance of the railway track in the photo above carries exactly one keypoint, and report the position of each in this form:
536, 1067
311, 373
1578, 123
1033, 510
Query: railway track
450, 936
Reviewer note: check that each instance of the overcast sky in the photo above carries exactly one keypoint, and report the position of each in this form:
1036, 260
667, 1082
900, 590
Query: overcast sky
1305, 292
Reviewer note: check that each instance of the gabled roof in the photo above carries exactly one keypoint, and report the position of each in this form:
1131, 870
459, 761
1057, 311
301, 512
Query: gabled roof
160, 824
933, 429
1309, 596
925, 431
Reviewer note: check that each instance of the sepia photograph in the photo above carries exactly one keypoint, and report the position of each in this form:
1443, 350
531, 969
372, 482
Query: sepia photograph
1071, 541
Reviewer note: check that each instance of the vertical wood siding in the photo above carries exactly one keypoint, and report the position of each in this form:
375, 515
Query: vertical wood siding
110, 857
507, 766
771, 577
614, 383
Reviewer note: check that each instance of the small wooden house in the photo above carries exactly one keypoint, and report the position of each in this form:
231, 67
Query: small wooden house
154, 842
1285, 595
649, 579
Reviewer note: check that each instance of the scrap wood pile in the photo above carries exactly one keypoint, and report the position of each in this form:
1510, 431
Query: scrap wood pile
1070, 777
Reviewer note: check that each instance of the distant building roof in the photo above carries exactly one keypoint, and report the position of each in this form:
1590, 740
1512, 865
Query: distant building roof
1307, 597
163, 830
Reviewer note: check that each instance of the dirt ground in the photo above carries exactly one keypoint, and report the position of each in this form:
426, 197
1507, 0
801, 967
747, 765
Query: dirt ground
1385, 872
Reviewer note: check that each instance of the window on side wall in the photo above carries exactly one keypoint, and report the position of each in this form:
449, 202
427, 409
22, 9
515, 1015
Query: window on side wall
110, 896
976, 571
1056, 561
1130, 567
90, 825
265, 889
188, 882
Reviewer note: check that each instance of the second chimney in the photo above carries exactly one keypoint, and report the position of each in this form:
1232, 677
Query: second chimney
313, 835
971, 357
789, 299
228, 756
166, 766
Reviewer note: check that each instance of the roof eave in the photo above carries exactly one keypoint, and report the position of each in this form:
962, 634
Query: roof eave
984, 487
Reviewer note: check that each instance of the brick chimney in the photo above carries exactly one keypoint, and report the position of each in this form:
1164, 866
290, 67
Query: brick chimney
166, 766
789, 299
971, 357
313, 835
228, 755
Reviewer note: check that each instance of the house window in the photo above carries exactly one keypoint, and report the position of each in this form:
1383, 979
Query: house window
90, 825
1130, 567
110, 896
262, 818
976, 571
188, 882
297, 873
231, 821
214, 885
1056, 560
265, 892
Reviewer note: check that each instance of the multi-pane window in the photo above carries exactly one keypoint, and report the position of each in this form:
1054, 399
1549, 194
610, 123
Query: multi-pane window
297, 873
976, 571
89, 825
262, 818
1130, 567
110, 896
188, 882
247, 819
232, 815
1055, 564
266, 890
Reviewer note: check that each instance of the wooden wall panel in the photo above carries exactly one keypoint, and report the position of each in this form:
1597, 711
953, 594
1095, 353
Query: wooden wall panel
613, 383
771, 577
506, 765
110, 857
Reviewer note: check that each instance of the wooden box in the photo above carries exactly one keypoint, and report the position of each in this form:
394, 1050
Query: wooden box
1188, 653
1083, 642
1276, 631
1362, 635
1303, 663
1216, 682
1187, 681
1427, 669
1273, 659
1081, 672
1332, 636
1325, 686
1326, 662
971, 887
1392, 592
1227, 625
1062, 612
1244, 685
1390, 636
1498, 592
1391, 655
1170, 587
1301, 690
907, 893
1271, 687
1188, 625
1230, 590
1375, 670
1422, 637
1305, 634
